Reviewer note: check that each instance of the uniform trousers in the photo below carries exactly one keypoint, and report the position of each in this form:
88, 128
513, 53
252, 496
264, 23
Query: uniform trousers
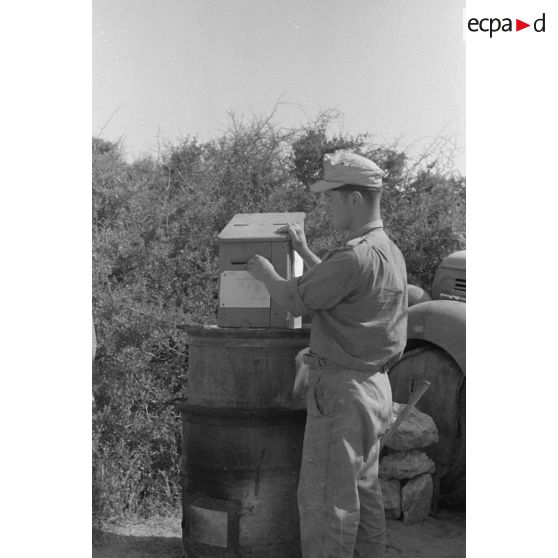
339, 495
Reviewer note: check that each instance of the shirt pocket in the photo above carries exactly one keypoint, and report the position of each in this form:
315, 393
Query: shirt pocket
389, 297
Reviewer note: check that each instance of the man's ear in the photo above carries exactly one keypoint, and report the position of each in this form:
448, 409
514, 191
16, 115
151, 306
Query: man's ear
356, 198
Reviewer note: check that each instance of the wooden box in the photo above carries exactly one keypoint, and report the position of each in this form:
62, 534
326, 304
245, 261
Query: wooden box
244, 301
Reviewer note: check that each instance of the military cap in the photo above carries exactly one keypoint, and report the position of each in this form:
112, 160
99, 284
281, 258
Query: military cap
345, 167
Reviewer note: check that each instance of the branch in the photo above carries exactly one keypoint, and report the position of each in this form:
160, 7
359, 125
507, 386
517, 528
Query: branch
109, 119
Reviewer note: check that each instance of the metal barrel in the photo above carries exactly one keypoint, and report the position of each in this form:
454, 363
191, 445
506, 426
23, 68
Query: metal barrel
241, 443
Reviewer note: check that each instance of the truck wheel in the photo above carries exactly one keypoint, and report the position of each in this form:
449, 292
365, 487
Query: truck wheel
444, 401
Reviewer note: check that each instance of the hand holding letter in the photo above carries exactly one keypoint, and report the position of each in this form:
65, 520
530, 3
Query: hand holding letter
259, 267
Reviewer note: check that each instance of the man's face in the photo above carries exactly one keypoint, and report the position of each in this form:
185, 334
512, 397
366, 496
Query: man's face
339, 209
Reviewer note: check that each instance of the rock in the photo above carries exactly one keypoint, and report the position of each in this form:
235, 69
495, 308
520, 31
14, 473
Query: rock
391, 493
417, 430
416, 499
405, 465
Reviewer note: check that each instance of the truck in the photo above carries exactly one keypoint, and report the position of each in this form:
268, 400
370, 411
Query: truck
435, 351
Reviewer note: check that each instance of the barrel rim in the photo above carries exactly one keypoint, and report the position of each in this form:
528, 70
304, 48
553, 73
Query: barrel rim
237, 412
216, 332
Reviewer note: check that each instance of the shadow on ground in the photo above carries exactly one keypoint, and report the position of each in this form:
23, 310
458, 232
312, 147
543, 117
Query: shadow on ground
442, 536
112, 545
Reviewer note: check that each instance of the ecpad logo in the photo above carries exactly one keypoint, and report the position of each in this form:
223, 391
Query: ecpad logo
494, 24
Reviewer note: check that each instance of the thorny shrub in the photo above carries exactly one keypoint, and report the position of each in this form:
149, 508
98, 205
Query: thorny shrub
155, 251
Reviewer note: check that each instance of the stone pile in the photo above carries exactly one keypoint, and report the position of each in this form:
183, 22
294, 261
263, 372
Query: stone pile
405, 470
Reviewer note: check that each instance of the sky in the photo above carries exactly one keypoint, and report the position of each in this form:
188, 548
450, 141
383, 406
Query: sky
174, 68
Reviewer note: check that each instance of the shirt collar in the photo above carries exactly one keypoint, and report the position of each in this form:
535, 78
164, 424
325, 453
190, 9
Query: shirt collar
361, 231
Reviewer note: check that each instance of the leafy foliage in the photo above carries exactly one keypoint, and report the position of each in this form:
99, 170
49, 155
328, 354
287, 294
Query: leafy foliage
155, 269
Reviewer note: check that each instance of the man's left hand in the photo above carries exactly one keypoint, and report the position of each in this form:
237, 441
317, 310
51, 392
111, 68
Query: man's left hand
259, 267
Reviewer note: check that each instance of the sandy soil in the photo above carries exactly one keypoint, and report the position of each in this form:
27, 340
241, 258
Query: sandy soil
151, 538
441, 537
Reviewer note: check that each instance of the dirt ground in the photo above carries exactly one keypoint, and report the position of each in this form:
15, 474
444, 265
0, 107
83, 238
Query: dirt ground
441, 537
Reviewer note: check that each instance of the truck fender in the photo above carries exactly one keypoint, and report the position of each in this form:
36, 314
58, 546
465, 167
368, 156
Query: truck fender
416, 295
442, 323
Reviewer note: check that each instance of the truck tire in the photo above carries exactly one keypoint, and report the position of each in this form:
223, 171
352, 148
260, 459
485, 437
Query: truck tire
444, 401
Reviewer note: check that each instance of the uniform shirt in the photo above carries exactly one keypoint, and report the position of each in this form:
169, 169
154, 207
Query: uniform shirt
358, 296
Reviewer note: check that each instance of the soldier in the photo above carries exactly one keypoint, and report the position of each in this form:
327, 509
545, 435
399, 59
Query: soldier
358, 298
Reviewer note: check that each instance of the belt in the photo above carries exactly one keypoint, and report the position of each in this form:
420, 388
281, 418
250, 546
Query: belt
316, 361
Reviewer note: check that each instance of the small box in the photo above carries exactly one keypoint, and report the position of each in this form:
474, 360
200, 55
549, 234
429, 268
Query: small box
244, 301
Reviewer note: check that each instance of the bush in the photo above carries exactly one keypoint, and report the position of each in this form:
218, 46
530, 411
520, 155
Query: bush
155, 269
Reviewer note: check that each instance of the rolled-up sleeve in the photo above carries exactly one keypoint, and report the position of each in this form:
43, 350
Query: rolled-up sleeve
326, 284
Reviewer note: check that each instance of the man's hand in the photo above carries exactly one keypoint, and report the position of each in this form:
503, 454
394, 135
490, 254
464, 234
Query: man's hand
298, 239
260, 268
279, 290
